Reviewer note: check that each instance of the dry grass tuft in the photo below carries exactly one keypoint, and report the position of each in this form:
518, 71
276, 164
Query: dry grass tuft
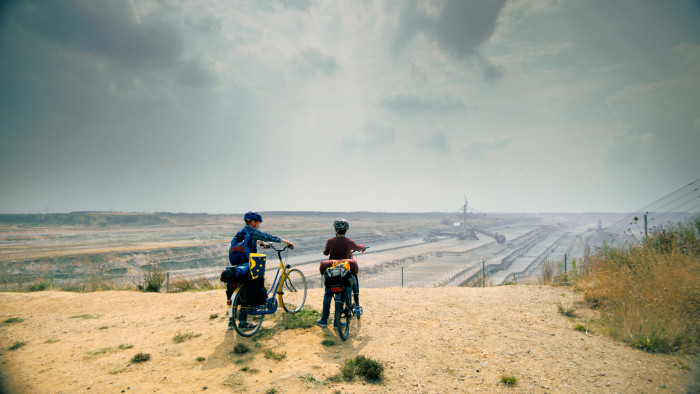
649, 294
179, 284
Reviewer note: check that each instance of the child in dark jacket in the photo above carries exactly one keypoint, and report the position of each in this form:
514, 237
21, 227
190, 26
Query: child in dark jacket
339, 248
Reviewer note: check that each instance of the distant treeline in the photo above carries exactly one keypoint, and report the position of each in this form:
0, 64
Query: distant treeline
81, 218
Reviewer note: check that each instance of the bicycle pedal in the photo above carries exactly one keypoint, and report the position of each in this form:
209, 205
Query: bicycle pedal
358, 310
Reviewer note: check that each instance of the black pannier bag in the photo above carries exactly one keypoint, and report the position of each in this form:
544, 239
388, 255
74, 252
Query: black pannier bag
338, 276
256, 293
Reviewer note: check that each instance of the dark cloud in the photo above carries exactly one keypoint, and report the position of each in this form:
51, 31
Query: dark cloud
463, 25
436, 141
459, 29
410, 104
312, 62
104, 29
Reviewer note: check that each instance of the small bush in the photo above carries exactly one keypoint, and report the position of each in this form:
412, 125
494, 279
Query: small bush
328, 342
580, 327
566, 311
200, 359
140, 357
179, 338
274, 355
364, 367
509, 380
16, 346
40, 286
13, 320
241, 348
153, 278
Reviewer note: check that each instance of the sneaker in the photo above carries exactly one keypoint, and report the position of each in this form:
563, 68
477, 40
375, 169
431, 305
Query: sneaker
245, 324
231, 323
321, 323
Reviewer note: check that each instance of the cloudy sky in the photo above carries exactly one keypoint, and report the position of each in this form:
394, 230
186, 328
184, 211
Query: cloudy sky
377, 105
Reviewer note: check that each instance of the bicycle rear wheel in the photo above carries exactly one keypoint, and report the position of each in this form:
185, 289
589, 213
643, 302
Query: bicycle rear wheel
293, 291
342, 314
245, 324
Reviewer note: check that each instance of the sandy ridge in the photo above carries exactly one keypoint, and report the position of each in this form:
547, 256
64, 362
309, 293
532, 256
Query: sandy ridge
429, 340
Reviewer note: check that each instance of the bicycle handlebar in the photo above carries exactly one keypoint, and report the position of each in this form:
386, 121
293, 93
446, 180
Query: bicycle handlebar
271, 245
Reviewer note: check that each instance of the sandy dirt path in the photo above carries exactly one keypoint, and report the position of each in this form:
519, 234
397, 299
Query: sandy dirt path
431, 340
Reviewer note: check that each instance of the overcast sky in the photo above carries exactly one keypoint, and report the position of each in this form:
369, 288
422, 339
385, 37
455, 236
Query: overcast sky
385, 105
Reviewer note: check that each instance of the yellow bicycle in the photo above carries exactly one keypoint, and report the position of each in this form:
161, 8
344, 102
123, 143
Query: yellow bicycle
248, 309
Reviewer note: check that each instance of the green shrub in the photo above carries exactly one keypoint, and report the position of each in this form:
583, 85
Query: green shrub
241, 348
274, 355
140, 358
153, 278
364, 367
40, 286
509, 380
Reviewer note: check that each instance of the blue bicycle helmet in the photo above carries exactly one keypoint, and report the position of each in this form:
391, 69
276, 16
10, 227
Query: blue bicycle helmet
252, 215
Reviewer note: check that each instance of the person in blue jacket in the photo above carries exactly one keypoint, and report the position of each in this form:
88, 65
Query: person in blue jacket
256, 237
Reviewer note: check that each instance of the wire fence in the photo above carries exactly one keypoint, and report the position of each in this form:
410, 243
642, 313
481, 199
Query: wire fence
678, 208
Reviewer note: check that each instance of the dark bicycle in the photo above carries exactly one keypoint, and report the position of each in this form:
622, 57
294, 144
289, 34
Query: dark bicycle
341, 282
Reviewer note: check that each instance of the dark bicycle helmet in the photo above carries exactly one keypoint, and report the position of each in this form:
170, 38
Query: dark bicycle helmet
341, 224
252, 215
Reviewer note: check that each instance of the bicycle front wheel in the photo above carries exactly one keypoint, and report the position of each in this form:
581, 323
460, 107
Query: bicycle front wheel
342, 314
245, 324
293, 291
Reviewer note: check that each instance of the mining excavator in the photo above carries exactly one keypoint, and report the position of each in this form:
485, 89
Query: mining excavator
461, 230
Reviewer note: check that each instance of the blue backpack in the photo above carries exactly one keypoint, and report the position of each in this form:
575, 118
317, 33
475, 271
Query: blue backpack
239, 251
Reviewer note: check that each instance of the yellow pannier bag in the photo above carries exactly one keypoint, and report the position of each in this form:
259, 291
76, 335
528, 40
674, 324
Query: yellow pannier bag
341, 264
257, 265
